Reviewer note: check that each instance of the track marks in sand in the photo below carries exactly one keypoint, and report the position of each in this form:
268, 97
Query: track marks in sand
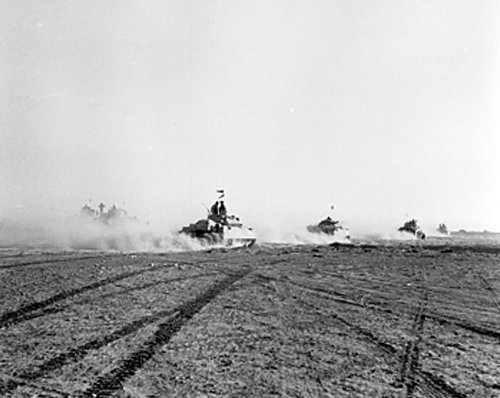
410, 359
24, 313
493, 293
411, 376
177, 317
78, 353
53, 261
343, 298
427, 382
112, 381
17, 381
51, 311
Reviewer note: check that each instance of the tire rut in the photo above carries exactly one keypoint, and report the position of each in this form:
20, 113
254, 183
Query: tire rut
78, 353
52, 311
491, 290
113, 380
24, 313
432, 385
52, 261
440, 318
410, 360
14, 382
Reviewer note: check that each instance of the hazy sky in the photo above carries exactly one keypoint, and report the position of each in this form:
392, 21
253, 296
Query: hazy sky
385, 108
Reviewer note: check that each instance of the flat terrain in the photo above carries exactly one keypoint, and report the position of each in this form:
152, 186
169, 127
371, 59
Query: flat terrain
393, 320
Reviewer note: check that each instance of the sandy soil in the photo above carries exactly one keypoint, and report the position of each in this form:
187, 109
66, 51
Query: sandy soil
393, 320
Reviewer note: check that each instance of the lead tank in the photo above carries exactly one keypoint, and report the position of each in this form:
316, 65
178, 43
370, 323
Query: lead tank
220, 228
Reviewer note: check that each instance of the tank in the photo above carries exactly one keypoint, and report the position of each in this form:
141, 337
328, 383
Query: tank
329, 226
114, 216
413, 228
220, 228
443, 229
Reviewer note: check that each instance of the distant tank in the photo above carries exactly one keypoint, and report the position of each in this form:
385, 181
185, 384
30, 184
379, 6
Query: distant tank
114, 216
412, 228
443, 229
219, 228
326, 226
329, 226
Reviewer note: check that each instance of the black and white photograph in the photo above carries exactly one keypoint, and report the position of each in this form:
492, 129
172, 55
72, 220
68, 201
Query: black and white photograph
249, 198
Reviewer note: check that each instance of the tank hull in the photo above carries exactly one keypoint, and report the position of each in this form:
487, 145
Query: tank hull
210, 232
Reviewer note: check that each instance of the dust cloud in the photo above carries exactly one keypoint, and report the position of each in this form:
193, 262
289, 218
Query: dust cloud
50, 229
299, 236
78, 233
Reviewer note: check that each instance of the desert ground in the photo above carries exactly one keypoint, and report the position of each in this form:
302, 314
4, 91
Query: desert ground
394, 319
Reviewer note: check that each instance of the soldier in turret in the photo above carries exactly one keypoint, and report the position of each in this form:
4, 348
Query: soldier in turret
222, 209
214, 210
